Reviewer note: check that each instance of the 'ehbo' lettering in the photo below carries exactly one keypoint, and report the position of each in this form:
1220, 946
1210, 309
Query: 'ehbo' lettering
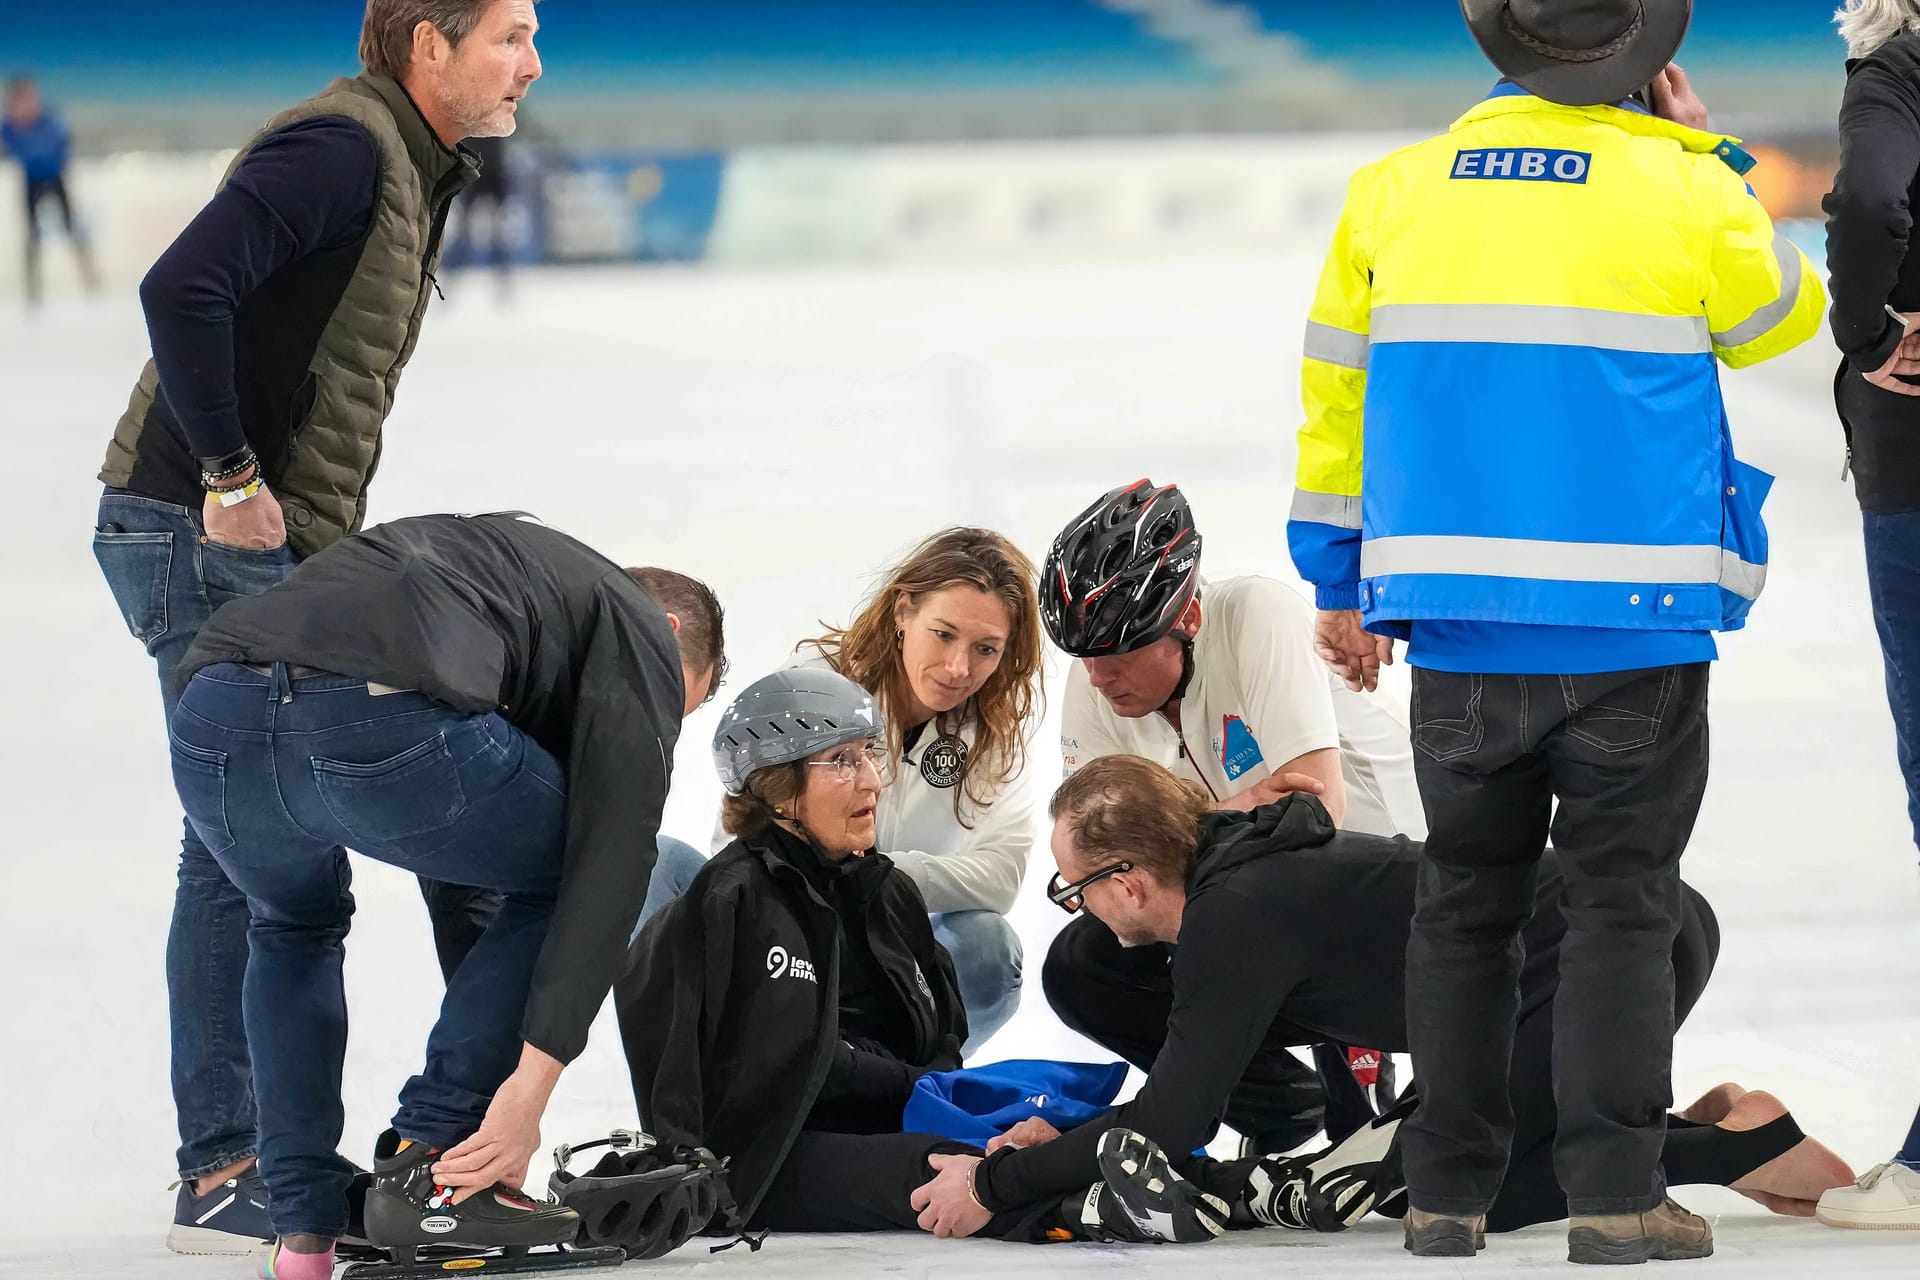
1523, 164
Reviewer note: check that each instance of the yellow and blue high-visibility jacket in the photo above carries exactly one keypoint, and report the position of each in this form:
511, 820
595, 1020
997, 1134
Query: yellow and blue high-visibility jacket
1513, 410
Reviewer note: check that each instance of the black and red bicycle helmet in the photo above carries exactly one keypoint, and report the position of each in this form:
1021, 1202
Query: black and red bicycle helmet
1119, 575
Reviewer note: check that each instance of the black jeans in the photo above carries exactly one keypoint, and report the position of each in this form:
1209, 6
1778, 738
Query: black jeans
1625, 755
1532, 1192
1121, 997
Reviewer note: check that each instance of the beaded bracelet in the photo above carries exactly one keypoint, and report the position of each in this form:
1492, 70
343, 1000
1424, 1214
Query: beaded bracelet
241, 463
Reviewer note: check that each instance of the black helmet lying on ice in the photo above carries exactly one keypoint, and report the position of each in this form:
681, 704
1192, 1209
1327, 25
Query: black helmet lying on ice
1580, 53
645, 1198
1118, 577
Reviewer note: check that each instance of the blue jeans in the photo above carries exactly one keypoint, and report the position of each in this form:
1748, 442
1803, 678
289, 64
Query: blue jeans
1893, 577
276, 777
678, 864
987, 960
167, 581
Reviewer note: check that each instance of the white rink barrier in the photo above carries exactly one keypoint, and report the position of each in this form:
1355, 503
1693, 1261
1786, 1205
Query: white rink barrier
1004, 201
878, 205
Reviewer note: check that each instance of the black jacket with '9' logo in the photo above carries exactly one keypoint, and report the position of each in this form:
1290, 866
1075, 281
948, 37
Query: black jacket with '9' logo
730, 1005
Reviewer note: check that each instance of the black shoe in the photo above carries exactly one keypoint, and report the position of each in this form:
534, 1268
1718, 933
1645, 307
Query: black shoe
1141, 1200
406, 1208
228, 1221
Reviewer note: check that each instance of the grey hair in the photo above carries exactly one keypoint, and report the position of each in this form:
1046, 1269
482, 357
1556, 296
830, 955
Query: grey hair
1866, 25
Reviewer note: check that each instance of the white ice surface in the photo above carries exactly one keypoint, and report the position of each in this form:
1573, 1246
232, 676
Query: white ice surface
786, 435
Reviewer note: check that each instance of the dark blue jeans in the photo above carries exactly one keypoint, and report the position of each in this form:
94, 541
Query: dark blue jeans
168, 580
277, 776
1893, 576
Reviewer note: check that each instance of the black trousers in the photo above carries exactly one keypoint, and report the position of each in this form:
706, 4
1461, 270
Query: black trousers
38, 193
1121, 997
460, 914
1625, 756
1531, 1191
865, 1182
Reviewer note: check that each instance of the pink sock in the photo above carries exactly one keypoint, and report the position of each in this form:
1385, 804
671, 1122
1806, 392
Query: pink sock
283, 1264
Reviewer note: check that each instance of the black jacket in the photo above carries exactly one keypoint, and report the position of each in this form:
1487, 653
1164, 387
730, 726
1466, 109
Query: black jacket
1871, 258
1290, 927
729, 1005
500, 613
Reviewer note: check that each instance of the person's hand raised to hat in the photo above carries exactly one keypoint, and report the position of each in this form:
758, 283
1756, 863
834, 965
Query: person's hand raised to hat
1675, 100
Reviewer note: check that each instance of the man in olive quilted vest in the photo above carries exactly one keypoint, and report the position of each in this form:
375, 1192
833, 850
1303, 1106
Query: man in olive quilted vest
281, 320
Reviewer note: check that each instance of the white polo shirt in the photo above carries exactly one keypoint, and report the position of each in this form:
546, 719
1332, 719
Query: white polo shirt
1259, 698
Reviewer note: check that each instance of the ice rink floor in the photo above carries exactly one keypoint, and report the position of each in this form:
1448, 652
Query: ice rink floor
786, 435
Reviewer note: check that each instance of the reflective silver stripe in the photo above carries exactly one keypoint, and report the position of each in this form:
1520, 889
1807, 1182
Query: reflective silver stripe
1563, 562
1768, 318
1325, 508
1336, 346
1541, 327
1741, 577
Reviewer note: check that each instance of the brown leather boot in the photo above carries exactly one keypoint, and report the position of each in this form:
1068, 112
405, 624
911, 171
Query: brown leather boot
1666, 1233
1439, 1235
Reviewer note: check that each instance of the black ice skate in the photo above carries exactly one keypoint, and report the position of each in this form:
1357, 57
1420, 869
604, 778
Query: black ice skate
499, 1231
1332, 1190
1142, 1200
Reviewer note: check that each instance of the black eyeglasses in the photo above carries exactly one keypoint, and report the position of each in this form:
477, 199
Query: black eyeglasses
1071, 897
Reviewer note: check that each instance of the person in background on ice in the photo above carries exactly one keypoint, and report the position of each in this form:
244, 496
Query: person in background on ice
1149, 854
41, 142
481, 700
794, 1061
1218, 682
1522, 321
950, 648
1875, 279
281, 320
484, 232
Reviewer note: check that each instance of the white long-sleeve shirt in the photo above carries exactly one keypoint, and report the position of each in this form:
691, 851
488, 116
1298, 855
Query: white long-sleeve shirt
1259, 697
958, 868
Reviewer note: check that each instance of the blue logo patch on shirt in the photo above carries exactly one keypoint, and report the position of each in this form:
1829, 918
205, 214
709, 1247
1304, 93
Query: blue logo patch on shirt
1239, 751
1523, 164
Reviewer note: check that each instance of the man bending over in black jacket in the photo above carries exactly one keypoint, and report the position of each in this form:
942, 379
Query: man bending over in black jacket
1269, 909
483, 701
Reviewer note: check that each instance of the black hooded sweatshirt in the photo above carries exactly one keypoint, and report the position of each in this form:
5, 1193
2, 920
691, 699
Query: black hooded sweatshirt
1290, 927
1871, 257
731, 1002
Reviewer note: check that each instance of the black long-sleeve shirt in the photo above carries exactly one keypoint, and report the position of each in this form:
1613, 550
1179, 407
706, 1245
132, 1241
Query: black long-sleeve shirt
306, 189
1289, 927
500, 613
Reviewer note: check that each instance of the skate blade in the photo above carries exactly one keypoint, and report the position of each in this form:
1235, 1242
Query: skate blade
490, 1264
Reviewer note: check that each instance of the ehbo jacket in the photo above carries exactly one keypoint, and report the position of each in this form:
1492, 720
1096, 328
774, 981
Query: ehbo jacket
1525, 315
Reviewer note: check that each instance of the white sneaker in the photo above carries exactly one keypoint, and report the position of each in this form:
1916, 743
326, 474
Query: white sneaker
1887, 1198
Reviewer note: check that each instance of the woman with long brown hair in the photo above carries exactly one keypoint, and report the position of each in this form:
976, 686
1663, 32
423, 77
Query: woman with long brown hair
949, 646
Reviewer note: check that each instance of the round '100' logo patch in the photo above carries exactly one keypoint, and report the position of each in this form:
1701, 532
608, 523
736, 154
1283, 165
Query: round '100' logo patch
942, 763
